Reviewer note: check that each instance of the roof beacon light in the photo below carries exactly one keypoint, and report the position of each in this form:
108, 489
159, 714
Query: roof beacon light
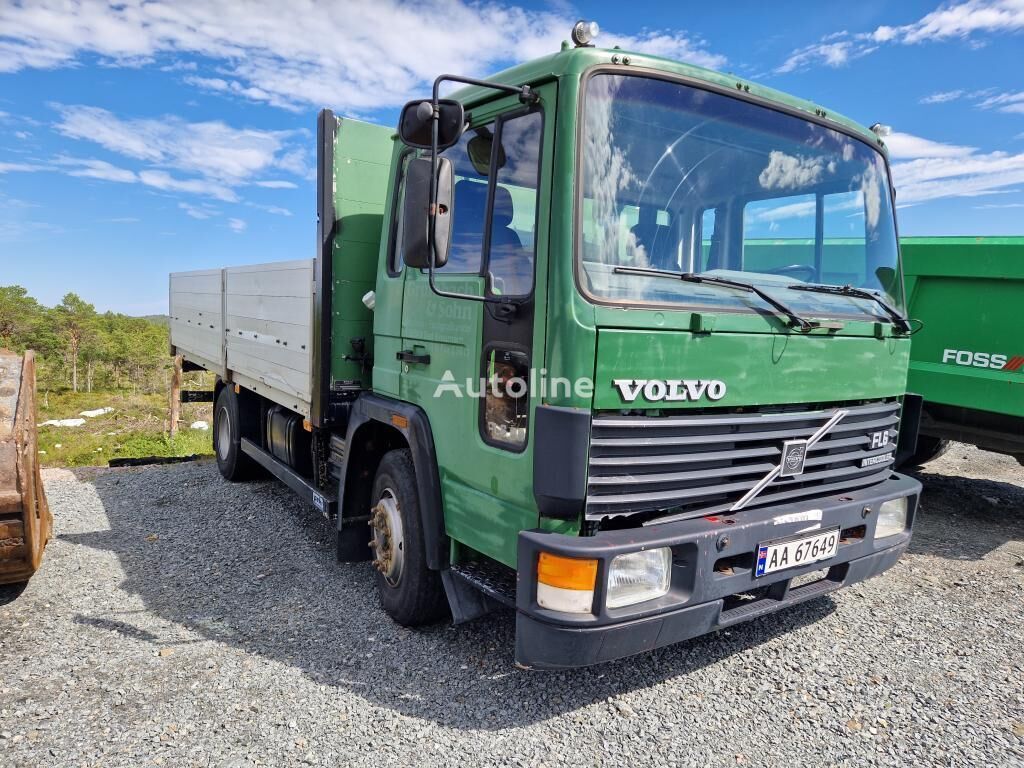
584, 32
881, 131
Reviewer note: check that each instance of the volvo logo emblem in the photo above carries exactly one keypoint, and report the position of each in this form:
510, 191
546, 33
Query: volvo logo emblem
794, 453
670, 390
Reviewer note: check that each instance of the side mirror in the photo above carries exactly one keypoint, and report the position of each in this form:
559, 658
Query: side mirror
414, 124
416, 251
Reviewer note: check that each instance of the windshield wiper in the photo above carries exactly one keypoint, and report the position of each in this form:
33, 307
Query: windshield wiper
803, 324
899, 321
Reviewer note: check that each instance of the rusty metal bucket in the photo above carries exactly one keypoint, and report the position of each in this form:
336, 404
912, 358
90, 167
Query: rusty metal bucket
25, 521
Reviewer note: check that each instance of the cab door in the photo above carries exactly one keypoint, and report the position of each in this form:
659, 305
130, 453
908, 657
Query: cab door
467, 363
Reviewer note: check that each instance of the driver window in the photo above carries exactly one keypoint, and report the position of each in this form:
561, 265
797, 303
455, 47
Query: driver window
779, 233
469, 209
513, 217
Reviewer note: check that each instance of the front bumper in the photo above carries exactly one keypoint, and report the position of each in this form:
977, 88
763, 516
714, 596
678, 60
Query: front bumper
702, 597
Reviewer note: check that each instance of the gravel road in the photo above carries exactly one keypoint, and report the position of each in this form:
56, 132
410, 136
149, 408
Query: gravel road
179, 620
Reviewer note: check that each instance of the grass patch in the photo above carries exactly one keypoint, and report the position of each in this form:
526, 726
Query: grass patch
137, 427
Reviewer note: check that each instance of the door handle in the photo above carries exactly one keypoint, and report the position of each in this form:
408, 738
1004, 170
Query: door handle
409, 356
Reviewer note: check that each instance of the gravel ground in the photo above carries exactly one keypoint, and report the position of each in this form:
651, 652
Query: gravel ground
179, 620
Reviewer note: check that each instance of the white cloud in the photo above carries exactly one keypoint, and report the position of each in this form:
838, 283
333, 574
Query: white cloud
829, 54
200, 212
96, 169
158, 179
985, 98
237, 225
274, 209
164, 181
357, 55
903, 146
931, 170
959, 20
211, 149
180, 66
993, 206
942, 97
210, 159
1005, 102
214, 157
950, 21
21, 167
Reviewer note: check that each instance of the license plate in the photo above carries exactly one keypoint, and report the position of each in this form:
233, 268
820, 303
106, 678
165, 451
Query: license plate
797, 552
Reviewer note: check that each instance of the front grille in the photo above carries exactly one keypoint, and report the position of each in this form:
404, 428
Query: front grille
704, 463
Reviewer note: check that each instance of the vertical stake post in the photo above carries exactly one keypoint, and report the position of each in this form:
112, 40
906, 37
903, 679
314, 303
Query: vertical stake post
175, 404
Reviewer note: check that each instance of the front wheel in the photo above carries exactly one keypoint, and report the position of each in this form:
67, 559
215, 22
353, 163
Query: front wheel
410, 592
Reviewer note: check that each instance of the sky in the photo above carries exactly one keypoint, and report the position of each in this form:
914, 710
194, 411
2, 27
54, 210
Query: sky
141, 137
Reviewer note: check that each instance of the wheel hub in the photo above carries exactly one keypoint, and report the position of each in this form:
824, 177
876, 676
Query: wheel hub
223, 434
387, 540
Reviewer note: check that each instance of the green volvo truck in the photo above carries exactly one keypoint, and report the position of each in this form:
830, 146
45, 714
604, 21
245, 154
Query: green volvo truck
612, 340
967, 359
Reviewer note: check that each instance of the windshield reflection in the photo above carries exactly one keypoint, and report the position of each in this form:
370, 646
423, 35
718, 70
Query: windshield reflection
680, 179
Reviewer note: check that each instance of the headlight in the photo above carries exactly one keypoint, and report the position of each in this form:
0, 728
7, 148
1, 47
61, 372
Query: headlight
892, 518
639, 576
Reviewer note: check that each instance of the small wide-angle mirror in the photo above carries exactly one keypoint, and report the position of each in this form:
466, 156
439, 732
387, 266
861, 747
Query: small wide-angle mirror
888, 279
479, 150
416, 213
415, 122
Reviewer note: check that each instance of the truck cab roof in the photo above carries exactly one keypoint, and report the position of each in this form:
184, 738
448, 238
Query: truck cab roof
573, 62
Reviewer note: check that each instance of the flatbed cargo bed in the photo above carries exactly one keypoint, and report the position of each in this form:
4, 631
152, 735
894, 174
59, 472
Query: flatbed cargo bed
251, 325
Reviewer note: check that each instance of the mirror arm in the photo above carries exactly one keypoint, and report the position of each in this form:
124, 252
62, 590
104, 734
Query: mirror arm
527, 96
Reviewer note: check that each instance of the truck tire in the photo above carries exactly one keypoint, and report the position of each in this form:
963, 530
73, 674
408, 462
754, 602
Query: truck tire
928, 448
227, 438
410, 593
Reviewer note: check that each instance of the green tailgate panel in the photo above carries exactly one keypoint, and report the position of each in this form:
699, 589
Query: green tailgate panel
757, 368
969, 294
362, 167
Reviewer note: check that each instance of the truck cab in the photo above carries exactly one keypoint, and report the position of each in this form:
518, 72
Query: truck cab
645, 379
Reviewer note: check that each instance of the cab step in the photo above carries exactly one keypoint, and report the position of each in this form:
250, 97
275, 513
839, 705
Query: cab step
477, 587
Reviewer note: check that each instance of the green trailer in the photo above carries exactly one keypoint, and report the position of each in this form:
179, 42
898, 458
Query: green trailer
611, 340
967, 360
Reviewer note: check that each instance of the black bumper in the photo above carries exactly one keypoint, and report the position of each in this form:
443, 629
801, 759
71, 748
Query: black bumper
702, 597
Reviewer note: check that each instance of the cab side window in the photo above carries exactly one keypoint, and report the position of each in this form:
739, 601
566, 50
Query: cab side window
514, 214
493, 219
469, 209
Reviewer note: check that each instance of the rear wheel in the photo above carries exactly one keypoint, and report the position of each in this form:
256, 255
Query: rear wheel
233, 464
410, 592
928, 448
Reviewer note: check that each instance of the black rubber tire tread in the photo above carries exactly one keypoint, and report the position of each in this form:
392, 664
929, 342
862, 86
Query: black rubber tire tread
235, 465
928, 449
419, 596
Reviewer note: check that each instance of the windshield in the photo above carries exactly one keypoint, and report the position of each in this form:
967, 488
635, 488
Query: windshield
681, 179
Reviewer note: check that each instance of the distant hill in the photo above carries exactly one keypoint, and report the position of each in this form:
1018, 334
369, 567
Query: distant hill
163, 320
